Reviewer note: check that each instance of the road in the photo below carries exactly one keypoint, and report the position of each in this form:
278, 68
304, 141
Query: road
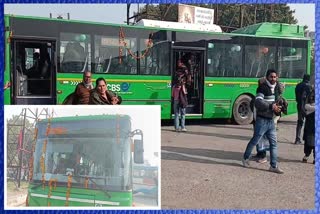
201, 169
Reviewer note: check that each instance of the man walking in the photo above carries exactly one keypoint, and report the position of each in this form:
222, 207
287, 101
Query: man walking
302, 90
262, 148
265, 108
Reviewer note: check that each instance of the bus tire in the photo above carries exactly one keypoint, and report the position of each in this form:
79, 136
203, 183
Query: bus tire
242, 113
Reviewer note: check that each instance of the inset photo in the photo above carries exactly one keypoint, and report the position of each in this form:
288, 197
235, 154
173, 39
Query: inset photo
89, 156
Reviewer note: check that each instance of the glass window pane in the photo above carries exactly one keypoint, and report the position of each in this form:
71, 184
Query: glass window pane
115, 57
33, 69
82, 160
75, 52
224, 59
292, 59
259, 57
154, 54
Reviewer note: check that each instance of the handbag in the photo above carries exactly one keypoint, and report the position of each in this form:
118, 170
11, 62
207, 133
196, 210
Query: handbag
263, 144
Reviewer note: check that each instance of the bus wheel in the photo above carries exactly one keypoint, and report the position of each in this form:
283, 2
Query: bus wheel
242, 113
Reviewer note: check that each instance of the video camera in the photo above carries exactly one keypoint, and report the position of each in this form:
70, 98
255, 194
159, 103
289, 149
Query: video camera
281, 102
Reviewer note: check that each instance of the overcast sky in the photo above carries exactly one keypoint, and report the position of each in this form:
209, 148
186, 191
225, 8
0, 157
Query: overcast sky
116, 13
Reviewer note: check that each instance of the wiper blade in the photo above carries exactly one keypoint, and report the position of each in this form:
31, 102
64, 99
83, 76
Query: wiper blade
91, 179
103, 189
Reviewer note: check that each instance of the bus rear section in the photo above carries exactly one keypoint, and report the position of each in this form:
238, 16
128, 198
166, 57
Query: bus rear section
82, 161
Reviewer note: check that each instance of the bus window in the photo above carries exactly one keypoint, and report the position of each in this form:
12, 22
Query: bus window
75, 52
224, 59
33, 69
260, 56
156, 61
111, 57
155, 50
292, 58
30, 61
21, 67
79, 158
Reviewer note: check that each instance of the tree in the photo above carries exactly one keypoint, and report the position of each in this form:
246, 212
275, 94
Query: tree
229, 16
164, 12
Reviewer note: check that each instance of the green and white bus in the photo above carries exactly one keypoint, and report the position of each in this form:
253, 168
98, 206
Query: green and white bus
84, 161
139, 63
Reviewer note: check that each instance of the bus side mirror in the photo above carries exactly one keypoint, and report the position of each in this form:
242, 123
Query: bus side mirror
138, 151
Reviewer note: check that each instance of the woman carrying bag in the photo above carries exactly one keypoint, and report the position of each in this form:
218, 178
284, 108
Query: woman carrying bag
179, 94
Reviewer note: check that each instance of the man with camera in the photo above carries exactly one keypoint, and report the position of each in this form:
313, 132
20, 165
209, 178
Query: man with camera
261, 147
266, 107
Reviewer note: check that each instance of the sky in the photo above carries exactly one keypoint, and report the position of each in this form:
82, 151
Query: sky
116, 13
146, 118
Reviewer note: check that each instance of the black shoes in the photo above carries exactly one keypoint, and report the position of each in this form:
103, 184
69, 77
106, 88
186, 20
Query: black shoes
298, 141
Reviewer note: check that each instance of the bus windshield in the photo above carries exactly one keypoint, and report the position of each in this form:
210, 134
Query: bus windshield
101, 162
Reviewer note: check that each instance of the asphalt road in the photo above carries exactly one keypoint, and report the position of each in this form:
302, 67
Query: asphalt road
201, 169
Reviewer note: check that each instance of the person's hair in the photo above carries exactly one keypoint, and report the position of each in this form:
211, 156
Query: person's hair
306, 77
84, 73
36, 55
180, 61
270, 71
100, 79
119, 99
261, 81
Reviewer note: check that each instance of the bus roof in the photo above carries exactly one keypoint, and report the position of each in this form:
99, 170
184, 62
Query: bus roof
276, 30
272, 29
86, 118
178, 25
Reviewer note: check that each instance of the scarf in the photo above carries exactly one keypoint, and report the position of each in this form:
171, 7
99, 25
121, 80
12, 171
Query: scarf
272, 87
88, 86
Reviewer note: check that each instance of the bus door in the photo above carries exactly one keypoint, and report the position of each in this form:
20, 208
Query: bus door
33, 72
194, 78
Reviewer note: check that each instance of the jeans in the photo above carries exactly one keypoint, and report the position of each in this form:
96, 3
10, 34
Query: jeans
179, 111
262, 127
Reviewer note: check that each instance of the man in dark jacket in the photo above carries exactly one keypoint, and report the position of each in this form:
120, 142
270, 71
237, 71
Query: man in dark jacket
261, 156
266, 106
302, 90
